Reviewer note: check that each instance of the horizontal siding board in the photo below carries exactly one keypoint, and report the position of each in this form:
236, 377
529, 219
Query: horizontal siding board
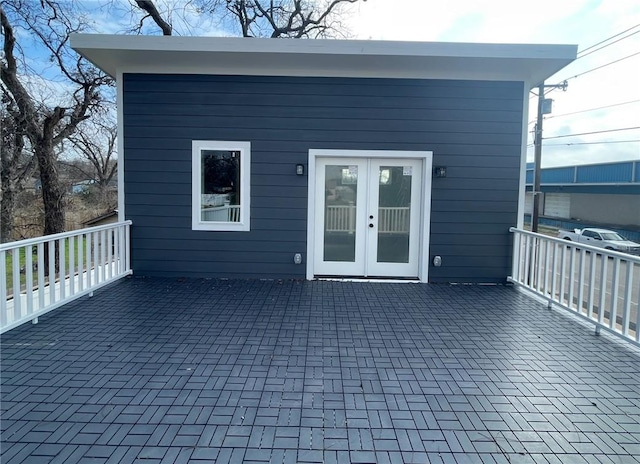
211, 244
192, 88
179, 234
149, 149
177, 134
327, 101
472, 206
247, 79
135, 110
475, 240
472, 217
331, 124
466, 228
473, 128
443, 194
148, 265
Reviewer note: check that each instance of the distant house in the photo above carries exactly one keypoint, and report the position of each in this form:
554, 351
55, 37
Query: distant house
110, 217
82, 186
262, 158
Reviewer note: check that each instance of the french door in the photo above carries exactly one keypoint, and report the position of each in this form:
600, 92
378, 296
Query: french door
367, 217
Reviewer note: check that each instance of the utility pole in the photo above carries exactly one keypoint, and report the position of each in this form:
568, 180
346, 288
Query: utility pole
544, 107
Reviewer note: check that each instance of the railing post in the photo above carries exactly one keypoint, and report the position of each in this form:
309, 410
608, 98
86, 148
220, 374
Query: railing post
127, 244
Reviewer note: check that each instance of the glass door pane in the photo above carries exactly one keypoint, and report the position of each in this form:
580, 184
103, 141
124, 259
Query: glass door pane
394, 213
340, 203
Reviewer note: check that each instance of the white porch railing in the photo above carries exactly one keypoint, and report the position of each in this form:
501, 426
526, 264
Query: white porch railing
601, 286
391, 220
340, 218
394, 220
226, 213
41, 274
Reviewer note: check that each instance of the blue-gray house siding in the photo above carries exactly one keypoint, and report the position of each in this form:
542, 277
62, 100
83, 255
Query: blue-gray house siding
473, 128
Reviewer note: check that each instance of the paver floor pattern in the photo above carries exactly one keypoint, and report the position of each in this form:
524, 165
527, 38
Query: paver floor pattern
176, 371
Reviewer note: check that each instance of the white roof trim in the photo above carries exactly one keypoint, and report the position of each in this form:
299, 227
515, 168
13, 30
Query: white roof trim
331, 58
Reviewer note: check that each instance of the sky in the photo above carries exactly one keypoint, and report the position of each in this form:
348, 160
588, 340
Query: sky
581, 22
585, 23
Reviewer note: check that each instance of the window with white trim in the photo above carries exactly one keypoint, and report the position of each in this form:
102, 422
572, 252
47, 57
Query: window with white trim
221, 173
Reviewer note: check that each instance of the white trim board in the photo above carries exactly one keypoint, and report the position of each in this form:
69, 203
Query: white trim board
116, 54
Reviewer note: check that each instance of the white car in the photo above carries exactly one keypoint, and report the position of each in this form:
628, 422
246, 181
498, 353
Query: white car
601, 238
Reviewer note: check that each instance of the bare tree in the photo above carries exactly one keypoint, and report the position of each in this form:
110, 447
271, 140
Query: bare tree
265, 18
47, 125
16, 164
97, 144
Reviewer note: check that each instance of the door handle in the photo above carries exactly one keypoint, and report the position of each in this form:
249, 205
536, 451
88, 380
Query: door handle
371, 226
371, 216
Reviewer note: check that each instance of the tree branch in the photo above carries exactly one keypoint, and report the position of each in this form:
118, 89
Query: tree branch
150, 8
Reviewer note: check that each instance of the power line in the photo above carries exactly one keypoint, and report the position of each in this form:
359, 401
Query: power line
604, 65
591, 109
589, 143
581, 52
585, 143
607, 45
589, 133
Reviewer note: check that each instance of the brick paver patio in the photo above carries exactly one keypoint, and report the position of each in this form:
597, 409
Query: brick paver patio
177, 371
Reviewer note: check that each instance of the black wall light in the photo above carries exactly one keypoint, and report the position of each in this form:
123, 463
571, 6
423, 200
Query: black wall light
440, 171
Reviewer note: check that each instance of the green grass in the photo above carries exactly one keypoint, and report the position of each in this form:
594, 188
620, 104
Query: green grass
23, 262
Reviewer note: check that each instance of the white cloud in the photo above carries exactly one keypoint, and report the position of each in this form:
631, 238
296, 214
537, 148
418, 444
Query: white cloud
581, 22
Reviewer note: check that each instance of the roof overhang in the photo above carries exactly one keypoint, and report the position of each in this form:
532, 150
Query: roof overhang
116, 54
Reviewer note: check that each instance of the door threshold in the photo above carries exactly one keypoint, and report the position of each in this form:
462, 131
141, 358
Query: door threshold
390, 280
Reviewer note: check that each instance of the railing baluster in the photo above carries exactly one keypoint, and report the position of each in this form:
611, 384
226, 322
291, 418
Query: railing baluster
96, 258
109, 261
539, 266
81, 272
554, 265
41, 281
89, 267
28, 271
603, 287
3, 289
72, 265
626, 313
62, 274
547, 257
572, 274
103, 256
592, 282
17, 301
614, 293
583, 256
52, 271
563, 270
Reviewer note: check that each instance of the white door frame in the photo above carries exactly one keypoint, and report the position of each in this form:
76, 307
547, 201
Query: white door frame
427, 165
